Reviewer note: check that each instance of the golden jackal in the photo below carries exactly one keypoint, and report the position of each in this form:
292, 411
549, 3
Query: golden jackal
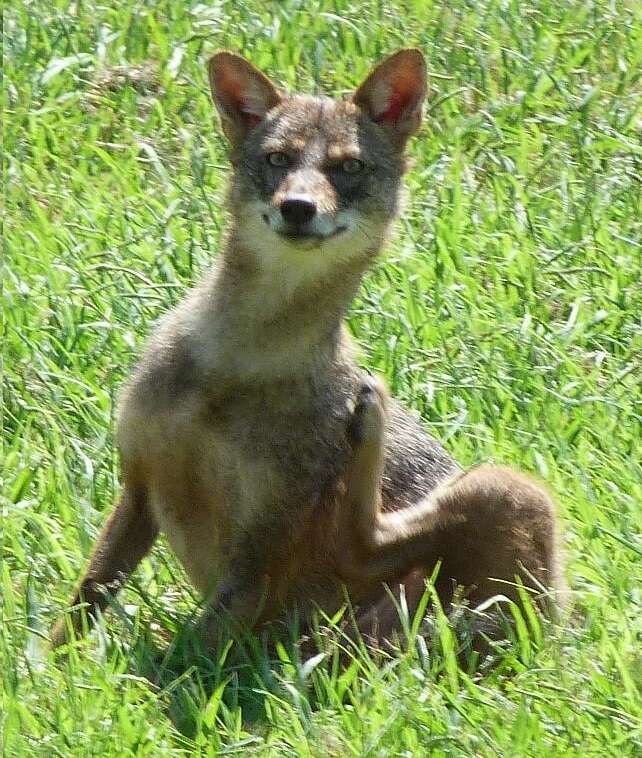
278, 470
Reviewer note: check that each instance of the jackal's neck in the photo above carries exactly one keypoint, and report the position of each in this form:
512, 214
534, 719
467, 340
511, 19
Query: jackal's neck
271, 321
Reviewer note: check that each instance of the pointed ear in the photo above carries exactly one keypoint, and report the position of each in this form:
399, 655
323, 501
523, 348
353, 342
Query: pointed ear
241, 93
394, 92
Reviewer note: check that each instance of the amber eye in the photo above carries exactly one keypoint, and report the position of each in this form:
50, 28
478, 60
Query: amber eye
352, 166
278, 160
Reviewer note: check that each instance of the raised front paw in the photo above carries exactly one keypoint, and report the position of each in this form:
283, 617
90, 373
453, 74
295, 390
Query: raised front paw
369, 416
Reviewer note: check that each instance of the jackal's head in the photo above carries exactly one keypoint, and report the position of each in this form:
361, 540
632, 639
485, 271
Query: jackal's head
316, 181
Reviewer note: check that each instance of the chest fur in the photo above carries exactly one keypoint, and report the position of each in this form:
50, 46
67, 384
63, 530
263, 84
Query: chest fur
280, 444
262, 456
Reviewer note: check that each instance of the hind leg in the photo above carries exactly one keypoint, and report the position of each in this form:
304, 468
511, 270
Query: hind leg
497, 526
487, 525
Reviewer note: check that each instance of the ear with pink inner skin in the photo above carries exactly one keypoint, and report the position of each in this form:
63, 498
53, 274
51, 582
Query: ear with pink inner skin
394, 92
242, 94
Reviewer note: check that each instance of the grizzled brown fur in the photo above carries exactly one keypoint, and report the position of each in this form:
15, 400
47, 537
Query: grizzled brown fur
239, 435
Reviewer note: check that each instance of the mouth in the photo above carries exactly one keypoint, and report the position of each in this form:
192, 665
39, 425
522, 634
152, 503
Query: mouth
295, 235
301, 236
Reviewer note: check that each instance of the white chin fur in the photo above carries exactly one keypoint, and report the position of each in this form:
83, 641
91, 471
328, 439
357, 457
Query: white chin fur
294, 261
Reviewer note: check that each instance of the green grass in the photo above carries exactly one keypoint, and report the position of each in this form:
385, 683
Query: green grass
506, 312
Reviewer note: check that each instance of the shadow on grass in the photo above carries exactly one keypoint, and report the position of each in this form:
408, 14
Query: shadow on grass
238, 680
244, 669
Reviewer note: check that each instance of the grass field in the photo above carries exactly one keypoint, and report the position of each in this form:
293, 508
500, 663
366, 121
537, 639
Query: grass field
507, 312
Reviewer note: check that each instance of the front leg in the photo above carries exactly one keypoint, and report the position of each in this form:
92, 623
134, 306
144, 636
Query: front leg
242, 592
126, 538
243, 596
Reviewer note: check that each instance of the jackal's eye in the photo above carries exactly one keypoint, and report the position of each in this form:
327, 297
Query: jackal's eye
278, 160
352, 166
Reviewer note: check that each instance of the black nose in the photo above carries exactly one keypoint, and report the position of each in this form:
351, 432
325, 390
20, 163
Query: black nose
298, 210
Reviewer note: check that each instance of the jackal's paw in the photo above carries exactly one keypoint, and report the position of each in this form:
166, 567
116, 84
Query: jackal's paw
369, 416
